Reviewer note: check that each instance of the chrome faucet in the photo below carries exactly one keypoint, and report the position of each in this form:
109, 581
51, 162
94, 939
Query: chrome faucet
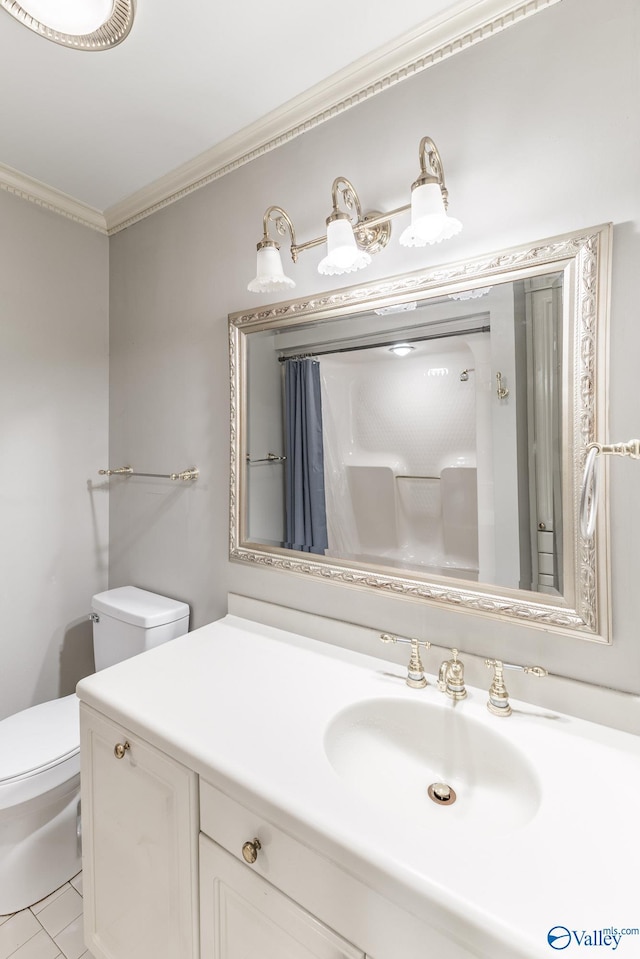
498, 702
451, 677
415, 673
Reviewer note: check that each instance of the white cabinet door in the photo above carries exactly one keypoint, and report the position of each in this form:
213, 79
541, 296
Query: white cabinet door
140, 830
242, 916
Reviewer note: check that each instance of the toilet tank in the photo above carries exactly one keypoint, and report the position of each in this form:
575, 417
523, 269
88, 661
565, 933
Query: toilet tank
128, 621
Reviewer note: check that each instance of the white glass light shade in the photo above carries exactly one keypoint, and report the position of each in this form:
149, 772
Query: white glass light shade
75, 17
270, 276
343, 255
429, 220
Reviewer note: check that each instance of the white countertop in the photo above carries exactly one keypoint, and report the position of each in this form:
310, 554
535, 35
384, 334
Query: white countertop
247, 707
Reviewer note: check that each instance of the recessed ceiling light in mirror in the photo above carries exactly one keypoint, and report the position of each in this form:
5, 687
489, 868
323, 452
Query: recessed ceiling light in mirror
80, 24
401, 349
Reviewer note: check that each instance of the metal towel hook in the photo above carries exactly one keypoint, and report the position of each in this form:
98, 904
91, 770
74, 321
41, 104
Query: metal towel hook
501, 389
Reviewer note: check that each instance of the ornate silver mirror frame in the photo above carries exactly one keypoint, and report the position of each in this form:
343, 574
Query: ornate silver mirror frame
584, 258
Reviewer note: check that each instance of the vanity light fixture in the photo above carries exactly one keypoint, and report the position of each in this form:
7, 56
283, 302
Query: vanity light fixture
353, 237
79, 24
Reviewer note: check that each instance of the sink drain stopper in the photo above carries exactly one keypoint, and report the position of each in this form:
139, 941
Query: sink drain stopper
442, 794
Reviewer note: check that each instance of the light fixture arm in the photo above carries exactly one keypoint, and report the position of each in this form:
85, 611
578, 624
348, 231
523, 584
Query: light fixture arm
343, 189
431, 168
281, 221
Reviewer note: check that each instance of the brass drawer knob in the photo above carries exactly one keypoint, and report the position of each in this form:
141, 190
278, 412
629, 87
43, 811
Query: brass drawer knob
250, 850
120, 749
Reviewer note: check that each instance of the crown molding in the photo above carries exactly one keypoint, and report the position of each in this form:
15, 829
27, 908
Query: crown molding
438, 39
28, 188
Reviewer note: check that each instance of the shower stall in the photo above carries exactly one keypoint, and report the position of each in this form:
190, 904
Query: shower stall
401, 458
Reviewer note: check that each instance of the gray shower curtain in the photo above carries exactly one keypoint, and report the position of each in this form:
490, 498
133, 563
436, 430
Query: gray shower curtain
306, 517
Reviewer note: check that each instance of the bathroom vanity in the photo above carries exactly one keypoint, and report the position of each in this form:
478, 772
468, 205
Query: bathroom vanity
250, 791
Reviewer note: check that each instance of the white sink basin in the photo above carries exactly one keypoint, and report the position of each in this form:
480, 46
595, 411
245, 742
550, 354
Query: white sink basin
391, 750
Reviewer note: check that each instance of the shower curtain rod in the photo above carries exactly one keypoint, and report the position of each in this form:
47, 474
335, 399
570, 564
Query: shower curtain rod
376, 346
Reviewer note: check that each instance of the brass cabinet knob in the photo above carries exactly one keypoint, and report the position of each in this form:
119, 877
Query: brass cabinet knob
120, 749
250, 850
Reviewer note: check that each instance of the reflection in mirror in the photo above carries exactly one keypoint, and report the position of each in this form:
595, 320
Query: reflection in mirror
401, 443
428, 445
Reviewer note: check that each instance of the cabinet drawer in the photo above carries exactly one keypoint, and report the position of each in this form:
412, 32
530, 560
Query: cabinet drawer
356, 912
299, 871
231, 824
244, 915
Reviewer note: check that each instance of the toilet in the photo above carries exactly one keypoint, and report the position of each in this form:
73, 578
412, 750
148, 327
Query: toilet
40, 826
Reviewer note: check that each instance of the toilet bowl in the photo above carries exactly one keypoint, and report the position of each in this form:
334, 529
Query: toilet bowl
40, 824
39, 802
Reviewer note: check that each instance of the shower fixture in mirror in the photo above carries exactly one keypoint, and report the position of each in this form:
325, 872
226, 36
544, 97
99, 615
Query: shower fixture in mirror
425, 435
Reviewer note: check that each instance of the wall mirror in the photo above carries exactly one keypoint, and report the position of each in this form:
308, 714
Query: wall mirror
425, 435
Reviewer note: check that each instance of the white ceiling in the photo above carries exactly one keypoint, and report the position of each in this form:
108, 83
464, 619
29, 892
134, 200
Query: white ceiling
101, 127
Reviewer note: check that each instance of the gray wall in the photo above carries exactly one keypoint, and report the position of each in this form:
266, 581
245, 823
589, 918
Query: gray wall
539, 131
53, 439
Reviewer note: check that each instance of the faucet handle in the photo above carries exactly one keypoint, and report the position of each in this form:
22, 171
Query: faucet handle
451, 677
415, 672
498, 702
532, 670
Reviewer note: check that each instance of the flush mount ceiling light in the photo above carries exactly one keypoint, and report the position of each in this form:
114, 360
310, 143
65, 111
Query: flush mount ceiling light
353, 237
80, 24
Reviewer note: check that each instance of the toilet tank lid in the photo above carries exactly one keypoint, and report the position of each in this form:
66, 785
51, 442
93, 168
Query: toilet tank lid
138, 607
39, 737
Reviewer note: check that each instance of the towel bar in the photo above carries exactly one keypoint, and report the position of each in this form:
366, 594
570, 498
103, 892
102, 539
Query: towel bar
190, 474
269, 458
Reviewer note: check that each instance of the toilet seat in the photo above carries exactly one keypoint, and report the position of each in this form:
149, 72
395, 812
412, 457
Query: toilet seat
39, 750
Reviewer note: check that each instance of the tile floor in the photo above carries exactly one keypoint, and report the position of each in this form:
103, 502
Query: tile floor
51, 929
